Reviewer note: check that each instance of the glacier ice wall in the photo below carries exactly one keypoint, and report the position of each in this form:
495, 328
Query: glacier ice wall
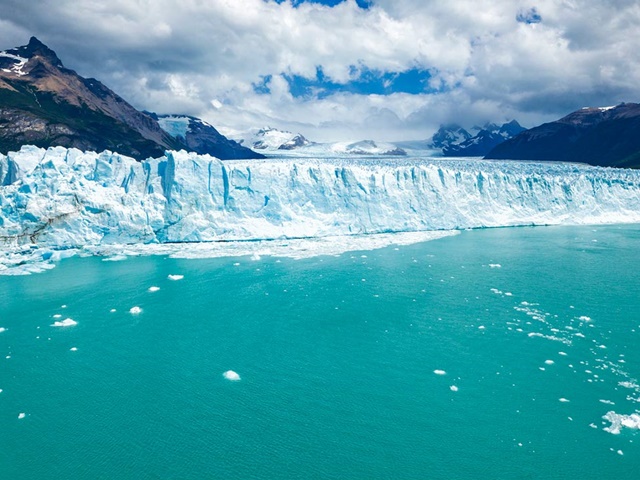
67, 198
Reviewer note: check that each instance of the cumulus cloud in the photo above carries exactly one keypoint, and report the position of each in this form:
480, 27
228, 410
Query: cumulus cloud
487, 59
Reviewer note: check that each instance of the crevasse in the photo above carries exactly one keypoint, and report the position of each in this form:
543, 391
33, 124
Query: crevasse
67, 198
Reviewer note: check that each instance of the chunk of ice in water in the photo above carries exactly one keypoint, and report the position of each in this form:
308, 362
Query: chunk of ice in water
563, 400
231, 375
153, 289
549, 362
439, 372
175, 277
453, 388
67, 322
135, 310
74, 349
495, 265
21, 415
2, 329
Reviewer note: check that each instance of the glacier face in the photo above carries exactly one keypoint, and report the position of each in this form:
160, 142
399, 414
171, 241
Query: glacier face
62, 198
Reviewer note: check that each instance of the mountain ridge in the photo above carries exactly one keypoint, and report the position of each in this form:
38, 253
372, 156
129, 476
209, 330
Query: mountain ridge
601, 136
46, 104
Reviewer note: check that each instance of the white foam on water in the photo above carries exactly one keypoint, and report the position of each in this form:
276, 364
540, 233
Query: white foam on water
631, 385
549, 337
175, 277
153, 289
231, 375
21, 415
67, 322
439, 372
135, 310
453, 388
618, 421
255, 257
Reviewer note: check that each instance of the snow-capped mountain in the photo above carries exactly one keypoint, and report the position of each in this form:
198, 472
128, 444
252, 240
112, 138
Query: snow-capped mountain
605, 136
449, 135
201, 137
367, 147
484, 141
268, 138
45, 104
276, 141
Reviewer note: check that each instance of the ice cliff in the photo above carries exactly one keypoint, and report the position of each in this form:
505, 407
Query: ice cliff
66, 198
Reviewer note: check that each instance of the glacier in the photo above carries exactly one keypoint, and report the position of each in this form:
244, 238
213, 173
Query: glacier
57, 200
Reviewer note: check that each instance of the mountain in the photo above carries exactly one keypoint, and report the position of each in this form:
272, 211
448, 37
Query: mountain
484, 141
369, 147
201, 137
604, 136
449, 135
268, 138
45, 104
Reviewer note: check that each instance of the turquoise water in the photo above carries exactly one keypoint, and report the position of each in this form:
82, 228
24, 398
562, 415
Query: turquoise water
336, 357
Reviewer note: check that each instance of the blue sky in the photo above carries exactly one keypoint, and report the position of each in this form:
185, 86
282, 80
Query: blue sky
349, 70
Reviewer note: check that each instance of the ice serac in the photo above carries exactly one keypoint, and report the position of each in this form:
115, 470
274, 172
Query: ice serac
66, 198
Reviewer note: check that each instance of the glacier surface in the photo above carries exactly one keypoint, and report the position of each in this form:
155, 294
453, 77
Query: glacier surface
56, 200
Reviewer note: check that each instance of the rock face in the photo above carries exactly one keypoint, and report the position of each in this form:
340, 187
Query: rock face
449, 135
604, 136
484, 141
201, 137
45, 104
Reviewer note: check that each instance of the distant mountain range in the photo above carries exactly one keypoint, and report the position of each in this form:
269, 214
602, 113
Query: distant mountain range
605, 136
43, 103
276, 141
455, 141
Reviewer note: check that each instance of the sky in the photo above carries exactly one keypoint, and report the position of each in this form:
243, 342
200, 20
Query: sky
345, 70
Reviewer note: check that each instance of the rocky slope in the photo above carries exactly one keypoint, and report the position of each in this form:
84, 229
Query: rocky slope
604, 136
484, 141
43, 103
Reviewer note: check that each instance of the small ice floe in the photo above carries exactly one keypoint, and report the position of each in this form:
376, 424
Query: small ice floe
153, 289
113, 310
57, 315
21, 415
618, 421
63, 306
255, 257
619, 452
237, 264
439, 372
67, 322
549, 362
2, 329
231, 375
453, 388
495, 265
563, 400
135, 310
481, 327
584, 318
73, 349
175, 277
562, 353
508, 294
607, 402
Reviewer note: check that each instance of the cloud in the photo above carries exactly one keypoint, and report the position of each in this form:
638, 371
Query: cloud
232, 62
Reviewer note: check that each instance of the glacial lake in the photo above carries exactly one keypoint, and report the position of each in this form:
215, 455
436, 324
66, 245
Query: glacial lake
494, 353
